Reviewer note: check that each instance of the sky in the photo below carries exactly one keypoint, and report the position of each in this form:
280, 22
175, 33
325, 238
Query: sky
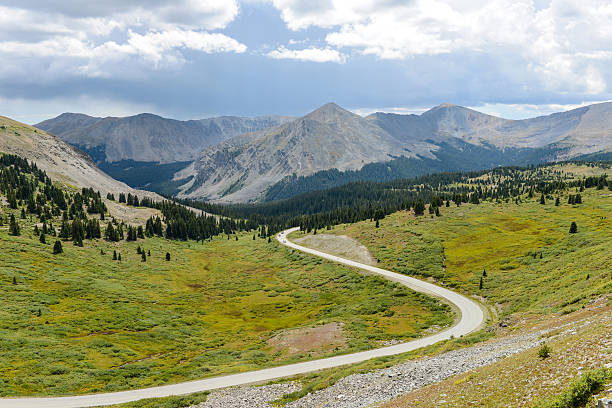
189, 59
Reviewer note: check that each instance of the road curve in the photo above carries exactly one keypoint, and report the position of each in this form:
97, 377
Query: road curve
472, 317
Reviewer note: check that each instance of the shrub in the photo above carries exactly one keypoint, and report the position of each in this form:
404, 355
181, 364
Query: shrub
544, 351
580, 390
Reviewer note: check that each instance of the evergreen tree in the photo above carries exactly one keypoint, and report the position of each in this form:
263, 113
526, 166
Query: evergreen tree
14, 228
23, 213
167, 256
484, 273
419, 208
138, 250
557, 202
114, 255
119, 256
43, 239
57, 248
14, 280
377, 224
481, 283
36, 230
437, 212
578, 199
143, 256
542, 199
573, 228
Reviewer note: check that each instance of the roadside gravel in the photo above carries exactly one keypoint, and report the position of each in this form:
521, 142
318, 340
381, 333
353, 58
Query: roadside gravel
362, 390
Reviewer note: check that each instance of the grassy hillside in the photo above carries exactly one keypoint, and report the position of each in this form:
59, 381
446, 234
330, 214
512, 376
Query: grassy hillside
81, 322
532, 262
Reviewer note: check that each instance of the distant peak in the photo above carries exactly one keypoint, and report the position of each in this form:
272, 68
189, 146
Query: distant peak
328, 109
447, 105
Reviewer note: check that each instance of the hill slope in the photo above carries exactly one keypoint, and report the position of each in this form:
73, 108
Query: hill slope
61, 161
149, 138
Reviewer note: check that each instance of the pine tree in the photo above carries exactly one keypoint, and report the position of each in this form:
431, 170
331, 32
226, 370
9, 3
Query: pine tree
57, 248
14, 280
23, 214
377, 224
557, 202
138, 250
167, 256
542, 199
578, 199
143, 256
437, 212
484, 273
114, 255
43, 239
14, 228
119, 256
573, 228
39, 312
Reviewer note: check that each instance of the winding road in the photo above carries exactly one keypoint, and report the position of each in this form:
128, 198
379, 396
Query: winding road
472, 317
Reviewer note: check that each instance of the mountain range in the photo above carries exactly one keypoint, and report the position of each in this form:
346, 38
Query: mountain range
150, 138
232, 159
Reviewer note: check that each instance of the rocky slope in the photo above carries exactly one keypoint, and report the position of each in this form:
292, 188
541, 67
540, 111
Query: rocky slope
61, 161
583, 130
150, 138
241, 168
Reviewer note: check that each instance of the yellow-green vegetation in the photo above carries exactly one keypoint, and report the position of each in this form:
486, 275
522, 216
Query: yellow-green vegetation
524, 253
580, 346
80, 322
177, 401
580, 391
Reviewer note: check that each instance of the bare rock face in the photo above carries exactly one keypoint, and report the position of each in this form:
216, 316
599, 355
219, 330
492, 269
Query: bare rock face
147, 137
241, 169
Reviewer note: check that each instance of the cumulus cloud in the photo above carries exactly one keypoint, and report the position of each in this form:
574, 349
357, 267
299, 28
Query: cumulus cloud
308, 54
567, 45
83, 38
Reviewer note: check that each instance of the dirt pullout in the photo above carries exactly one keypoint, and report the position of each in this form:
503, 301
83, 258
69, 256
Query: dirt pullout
131, 215
339, 245
314, 340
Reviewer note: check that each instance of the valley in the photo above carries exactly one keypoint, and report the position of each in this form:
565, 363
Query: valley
306, 204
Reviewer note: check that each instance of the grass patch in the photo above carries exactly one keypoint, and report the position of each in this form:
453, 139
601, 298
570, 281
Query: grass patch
176, 401
532, 262
107, 326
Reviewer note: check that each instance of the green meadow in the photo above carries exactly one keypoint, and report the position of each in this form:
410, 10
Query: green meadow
80, 322
532, 262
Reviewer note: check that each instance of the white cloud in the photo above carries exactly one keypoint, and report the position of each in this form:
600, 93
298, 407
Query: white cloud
308, 54
72, 39
566, 45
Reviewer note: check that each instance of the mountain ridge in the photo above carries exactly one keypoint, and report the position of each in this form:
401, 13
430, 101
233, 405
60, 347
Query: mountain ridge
147, 137
232, 171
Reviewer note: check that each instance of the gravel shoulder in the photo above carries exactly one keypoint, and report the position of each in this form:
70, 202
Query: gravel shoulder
457, 378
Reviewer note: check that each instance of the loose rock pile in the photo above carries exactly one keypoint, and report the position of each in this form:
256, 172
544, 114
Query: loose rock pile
360, 390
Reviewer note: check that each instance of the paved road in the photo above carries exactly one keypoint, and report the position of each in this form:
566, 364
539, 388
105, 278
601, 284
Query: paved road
471, 318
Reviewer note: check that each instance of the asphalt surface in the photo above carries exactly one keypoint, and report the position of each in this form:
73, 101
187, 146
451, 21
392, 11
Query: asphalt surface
470, 320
